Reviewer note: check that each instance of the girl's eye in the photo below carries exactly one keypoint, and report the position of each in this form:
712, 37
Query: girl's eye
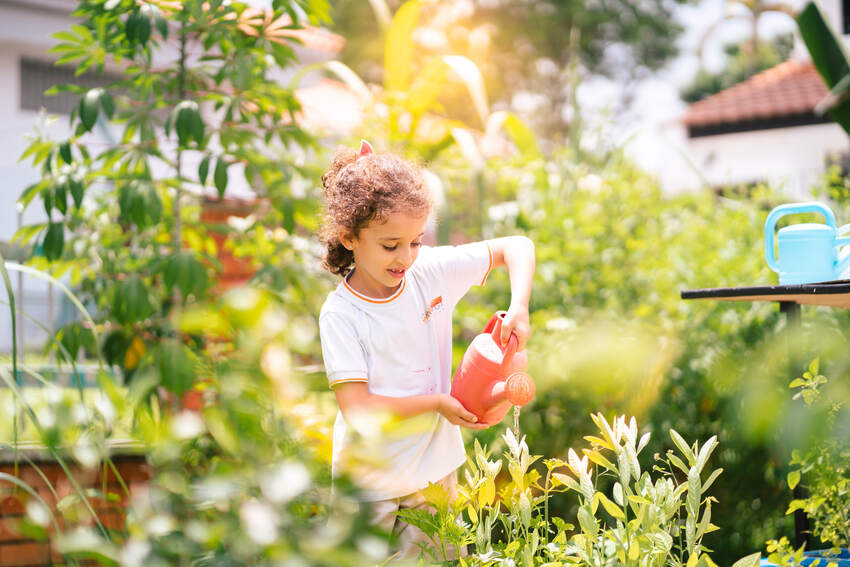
391, 248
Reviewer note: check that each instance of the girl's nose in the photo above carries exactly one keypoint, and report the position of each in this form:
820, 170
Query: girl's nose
406, 255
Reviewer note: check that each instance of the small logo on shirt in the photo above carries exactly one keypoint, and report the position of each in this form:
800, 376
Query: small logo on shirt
436, 305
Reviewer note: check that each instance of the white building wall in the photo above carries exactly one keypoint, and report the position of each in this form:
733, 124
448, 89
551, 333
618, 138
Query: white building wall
29, 36
791, 159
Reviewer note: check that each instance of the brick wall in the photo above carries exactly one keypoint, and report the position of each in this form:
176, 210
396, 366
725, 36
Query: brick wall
17, 550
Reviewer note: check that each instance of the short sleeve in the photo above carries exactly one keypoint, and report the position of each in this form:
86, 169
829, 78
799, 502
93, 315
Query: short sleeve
342, 352
457, 268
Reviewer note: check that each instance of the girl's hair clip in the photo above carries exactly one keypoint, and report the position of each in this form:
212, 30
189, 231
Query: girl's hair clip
365, 149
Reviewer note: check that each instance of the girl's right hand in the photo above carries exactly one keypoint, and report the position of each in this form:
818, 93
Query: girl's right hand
454, 411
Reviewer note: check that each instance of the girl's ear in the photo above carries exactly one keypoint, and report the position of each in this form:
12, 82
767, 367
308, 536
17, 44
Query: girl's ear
346, 240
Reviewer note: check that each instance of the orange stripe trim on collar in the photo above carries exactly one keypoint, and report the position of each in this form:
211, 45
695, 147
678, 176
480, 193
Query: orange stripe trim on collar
371, 300
489, 267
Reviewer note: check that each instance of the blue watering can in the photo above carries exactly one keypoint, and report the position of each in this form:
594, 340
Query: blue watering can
807, 252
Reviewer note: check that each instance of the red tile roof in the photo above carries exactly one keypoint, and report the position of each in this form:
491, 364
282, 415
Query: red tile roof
791, 88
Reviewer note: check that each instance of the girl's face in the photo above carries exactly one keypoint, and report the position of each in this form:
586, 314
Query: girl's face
383, 252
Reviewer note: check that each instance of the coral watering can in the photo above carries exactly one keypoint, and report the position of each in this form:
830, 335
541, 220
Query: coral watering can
491, 378
806, 252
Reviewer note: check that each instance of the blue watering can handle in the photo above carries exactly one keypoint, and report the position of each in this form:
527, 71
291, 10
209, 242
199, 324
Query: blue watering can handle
790, 209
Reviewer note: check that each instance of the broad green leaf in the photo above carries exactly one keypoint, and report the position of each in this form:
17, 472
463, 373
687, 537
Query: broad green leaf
610, 507
54, 241
161, 26
751, 560
88, 108
186, 272
107, 104
829, 57
399, 48
176, 366
139, 203
186, 120
596, 457
131, 301
793, 479
468, 72
815, 366
75, 187
65, 152
427, 86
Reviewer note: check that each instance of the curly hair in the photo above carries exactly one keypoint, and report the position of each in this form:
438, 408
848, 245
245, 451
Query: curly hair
358, 190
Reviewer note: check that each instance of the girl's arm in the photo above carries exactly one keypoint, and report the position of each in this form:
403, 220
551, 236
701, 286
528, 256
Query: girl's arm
517, 253
355, 396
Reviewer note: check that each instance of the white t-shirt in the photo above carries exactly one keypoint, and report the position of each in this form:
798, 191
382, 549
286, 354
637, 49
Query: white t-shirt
402, 346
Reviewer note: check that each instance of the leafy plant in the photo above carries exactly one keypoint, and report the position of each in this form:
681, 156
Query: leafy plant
624, 516
196, 109
824, 466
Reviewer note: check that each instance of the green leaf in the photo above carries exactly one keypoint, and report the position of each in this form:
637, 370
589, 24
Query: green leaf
399, 48
139, 203
288, 210
203, 169
176, 366
814, 366
186, 272
220, 176
710, 480
829, 57
186, 119
54, 241
683, 446
470, 75
27, 232
88, 108
31, 191
107, 104
131, 301
793, 479
752, 560
75, 187
65, 152
60, 195
161, 26
610, 507
138, 28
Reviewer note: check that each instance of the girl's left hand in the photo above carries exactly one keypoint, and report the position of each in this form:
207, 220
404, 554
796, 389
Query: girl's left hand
516, 322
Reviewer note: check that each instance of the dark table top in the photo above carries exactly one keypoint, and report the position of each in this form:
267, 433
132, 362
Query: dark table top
833, 293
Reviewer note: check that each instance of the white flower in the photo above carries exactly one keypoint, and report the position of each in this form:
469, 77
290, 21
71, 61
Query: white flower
591, 183
259, 521
187, 425
285, 482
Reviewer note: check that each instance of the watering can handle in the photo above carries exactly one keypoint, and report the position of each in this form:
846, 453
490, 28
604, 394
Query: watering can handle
789, 209
495, 331
498, 315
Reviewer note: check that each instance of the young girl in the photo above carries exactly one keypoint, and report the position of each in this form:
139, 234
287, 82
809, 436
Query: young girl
386, 329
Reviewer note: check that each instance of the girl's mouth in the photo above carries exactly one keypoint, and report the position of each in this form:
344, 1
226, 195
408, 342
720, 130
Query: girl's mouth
397, 273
